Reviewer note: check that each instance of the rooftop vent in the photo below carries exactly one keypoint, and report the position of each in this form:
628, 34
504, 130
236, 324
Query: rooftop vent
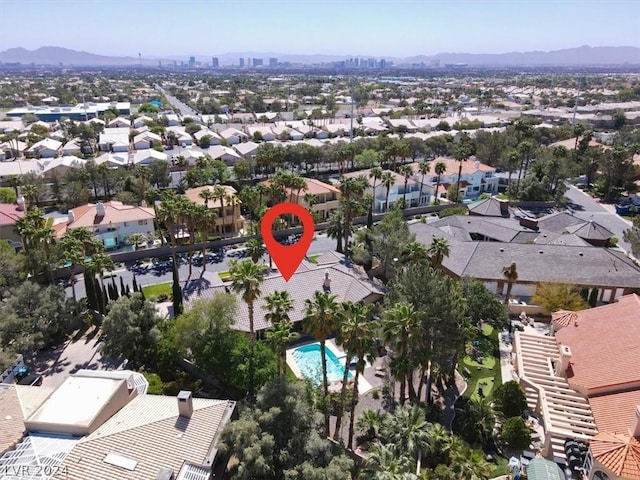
100, 209
165, 474
502, 249
580, 253
326, 283
540, 252
71, 217
185, 404
120, 461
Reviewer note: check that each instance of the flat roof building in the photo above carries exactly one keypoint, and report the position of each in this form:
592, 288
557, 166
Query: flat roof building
81, 111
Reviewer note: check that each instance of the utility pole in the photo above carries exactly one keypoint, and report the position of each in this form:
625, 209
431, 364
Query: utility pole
352, 99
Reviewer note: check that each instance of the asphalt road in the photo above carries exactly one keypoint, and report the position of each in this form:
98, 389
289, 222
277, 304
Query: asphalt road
149, 274
185, 110
587, 208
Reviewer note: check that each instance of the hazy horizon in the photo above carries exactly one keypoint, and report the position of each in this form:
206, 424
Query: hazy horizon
401, 28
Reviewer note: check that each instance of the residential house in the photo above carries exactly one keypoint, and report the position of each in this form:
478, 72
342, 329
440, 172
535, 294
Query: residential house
287, 133
119, 122
17, 168
215, 139
72, 147
326, 197
267, 116
247, 150
145, 157
9, 214
46, 148
184, 139
332, 273
476, 178
113, 160
260, 132
141, 121
111, 222
191, 155
233, 136
230, 220
10, 126
12, 149
60, 166
403, 124
114, 140
88, 423
396, 191
172, 120
226, 154
146, 140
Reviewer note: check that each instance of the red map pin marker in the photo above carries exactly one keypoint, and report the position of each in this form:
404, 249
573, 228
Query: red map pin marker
287, 257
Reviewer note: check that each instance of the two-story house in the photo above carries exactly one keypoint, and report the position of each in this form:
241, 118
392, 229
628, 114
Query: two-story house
476, 178
229, 220
396, 190
319, 197
111, 222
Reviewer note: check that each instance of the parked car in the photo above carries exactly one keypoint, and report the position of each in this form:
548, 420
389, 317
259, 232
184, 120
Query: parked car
33, 380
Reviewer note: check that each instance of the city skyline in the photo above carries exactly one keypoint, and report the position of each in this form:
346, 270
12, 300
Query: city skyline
401, 28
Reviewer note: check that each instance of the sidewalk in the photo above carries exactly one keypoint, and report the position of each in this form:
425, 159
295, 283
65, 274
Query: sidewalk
506, 358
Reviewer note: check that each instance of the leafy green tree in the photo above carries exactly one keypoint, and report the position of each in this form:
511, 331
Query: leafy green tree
474, 420
516, 434
559, 296
632, 236
510, 399
482, 304
130, 329
12, 268
7, 195
388, 241
159, 174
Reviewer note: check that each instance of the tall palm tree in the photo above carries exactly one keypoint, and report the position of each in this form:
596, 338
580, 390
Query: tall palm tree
206, 195
369, 423
376, 174
278, 305
335, 228
14, 182
413, 252
510, 273
461, 154
246, 279
32, 195
408, 430
388, 180
320, 320
355, 334
405, 171
255, 249
136, 239
206, 225
191, 217
351, 190
439, 169
438, 251
400, 330
103, 170
220, 193
423, 169
279, 335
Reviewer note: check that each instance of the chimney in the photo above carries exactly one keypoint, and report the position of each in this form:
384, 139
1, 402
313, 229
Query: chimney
20, 203
185, 404
70, 217
565, 359
504, 207
99, 209
635, 426
326, 284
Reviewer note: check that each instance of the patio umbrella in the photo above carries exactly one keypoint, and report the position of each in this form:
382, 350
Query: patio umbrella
514, 463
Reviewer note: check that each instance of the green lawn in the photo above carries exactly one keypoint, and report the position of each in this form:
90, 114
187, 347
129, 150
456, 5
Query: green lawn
224, 276
488, 372
157, 289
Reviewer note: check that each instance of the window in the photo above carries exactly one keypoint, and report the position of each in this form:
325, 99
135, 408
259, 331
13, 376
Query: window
142, 222
125, 224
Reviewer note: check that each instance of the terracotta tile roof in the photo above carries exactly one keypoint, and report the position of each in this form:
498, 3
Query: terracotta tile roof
9, 214
562, 318
398, 179
193, 194
468, 167
604, 344
116, 212
615, 413
150, 432
315, 187
618, 453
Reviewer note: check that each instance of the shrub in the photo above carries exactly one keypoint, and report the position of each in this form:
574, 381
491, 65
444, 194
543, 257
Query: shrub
163, 297
156, 387
516, 433
510, 399
375, 394
458, 210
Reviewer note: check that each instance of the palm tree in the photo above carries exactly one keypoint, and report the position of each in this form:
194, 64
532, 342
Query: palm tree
385, 462
369, 423
278, 304
37, 231
246, 279
103, 170
439, 169
136, 239
423, 169
191, 217
461, 154
14, 182
352, 190
320, 320
335, 228
376, 174
206, 224
206, 195
356, 337
279, 335
255, 249
32, 194
400, 330
220, 193
510, 273
388, 180
408, 430
438, 250
413, 252
477, 416
405, 171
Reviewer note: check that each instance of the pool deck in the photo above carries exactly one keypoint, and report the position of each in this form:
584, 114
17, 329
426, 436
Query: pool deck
366, 381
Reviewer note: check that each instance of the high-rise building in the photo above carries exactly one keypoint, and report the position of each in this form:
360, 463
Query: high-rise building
273, 62
192, 62
241, 62
383, 63
257, 62
214, 62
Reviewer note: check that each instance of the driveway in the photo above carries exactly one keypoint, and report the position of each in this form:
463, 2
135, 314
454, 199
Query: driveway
83, 353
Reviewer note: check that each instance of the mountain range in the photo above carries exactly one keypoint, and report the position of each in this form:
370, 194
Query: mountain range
580, 56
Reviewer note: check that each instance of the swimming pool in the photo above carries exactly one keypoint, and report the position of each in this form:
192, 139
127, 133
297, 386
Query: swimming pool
309, 363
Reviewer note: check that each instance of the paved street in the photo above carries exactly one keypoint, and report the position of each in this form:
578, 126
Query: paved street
149, 275
185, 110
586, 208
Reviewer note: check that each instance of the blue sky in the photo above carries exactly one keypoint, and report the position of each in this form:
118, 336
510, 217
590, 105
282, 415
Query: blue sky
340, 27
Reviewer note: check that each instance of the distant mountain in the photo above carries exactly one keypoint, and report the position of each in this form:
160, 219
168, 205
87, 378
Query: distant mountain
65, 56
580, 56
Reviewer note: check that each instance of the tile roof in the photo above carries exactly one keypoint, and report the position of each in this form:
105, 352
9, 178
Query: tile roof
615, 413
349, 283
116, 212
604, 344
618, 453
590, 231
313, 186
490, 207
193, 194
9, 213
562, 318
558, 222
469, 167
149, 431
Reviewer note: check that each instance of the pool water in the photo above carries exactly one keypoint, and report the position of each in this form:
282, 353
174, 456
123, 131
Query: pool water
309, 362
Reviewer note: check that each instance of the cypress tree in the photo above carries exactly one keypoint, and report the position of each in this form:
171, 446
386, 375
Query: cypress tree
105, 299
123, 289
593, 297
177, 293
114, 289
89, 287
100, 296
136, 288
128, 291
584, 293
